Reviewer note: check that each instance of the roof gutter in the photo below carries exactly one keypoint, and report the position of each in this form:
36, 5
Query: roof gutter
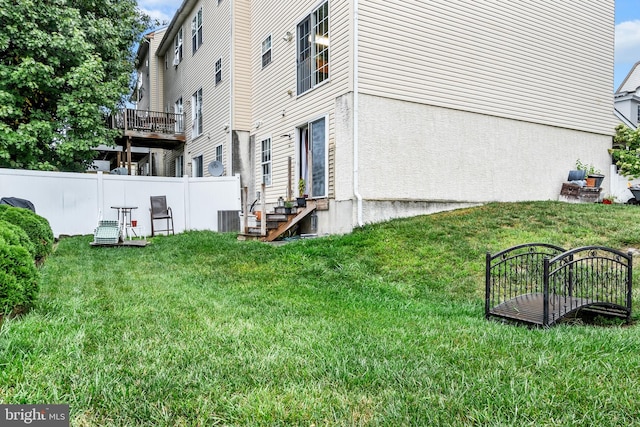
181, 13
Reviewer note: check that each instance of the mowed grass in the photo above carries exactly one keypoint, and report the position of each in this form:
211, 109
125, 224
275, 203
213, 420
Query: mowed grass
384, 326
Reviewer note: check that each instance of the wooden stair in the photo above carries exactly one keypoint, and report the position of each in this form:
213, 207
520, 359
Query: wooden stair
277, 224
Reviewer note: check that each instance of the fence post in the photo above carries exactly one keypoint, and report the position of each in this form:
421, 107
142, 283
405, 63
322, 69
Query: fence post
187, 203
545, 312
629, 281
100, 191
487, 296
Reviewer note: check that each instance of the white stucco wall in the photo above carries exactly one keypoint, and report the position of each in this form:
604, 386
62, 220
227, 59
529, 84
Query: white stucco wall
418, 152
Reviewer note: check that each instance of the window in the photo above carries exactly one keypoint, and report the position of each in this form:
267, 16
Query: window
219, 153
196, 31
177, 48
179, 166
266, 161
178, 111
196, 113
218, 70
313, 157
196, 168
313, 49
266, 52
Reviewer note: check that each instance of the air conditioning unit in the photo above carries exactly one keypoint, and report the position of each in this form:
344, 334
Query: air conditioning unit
176, 61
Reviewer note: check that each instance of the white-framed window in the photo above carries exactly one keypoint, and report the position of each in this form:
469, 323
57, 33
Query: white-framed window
179, 115
313, 49
177, 48
179, 166
218, 70
196, 167
266, 51
196, 31
265, 160
219, 153
196, 113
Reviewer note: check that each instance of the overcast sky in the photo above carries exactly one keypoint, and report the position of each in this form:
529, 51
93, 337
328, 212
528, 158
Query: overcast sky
627, 45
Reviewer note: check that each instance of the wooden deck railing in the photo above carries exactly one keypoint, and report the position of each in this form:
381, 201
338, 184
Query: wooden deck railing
147, 121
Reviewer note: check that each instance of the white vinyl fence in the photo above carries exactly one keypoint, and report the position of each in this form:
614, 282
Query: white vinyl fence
74, 202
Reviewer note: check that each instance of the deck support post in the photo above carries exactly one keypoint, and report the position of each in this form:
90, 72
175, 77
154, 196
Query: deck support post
245, 209
129, 155
263, 214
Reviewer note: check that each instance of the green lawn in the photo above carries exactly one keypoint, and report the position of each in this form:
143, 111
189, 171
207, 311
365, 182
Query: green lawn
384, 326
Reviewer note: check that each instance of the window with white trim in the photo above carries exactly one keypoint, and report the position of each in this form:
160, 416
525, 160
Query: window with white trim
266, 51
196, 113
177, 48
218, 70
196, 31
313, 49
219, 153
178, 111
197, 167
265, 161
179, 166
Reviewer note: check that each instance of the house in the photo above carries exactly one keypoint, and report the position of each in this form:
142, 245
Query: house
627, 98
389, 109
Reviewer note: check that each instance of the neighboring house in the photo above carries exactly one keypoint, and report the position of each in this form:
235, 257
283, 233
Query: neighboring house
390, 109
627, 98
149, 96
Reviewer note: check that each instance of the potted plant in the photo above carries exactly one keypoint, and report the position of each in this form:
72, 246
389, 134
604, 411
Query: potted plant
301, 199
288, 206
593, 176
609, 200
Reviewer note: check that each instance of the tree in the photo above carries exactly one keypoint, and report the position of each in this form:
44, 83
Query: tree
626, 151
63, 65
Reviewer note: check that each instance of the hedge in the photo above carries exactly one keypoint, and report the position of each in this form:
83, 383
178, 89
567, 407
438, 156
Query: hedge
37, 228
14, 235
18, 278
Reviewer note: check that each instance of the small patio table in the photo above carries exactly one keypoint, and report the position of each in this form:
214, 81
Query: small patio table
124, 219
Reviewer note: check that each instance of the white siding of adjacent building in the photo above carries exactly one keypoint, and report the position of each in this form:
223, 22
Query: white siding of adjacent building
515, 59
631, 83
275, 106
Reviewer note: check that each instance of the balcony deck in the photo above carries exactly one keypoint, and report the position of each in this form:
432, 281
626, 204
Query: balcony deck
154, 129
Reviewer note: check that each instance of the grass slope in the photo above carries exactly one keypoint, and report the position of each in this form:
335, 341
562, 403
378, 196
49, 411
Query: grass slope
383, 326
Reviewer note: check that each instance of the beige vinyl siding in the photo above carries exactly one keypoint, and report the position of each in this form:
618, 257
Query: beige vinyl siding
240, 66
197, 70
514, 59
274, 87
157, 98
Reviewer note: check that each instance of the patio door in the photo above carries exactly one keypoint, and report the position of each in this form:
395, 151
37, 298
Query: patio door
312, 160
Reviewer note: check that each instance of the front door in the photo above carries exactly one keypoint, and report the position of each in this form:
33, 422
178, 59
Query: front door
312, 159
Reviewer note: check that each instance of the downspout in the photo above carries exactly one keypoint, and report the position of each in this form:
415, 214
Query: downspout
356, 166
232, 64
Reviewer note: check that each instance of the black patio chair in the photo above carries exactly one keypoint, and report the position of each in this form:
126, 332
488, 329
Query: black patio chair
159, 211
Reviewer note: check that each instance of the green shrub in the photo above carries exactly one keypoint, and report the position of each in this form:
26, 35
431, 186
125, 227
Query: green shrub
14, 235
18, 278
36, 227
